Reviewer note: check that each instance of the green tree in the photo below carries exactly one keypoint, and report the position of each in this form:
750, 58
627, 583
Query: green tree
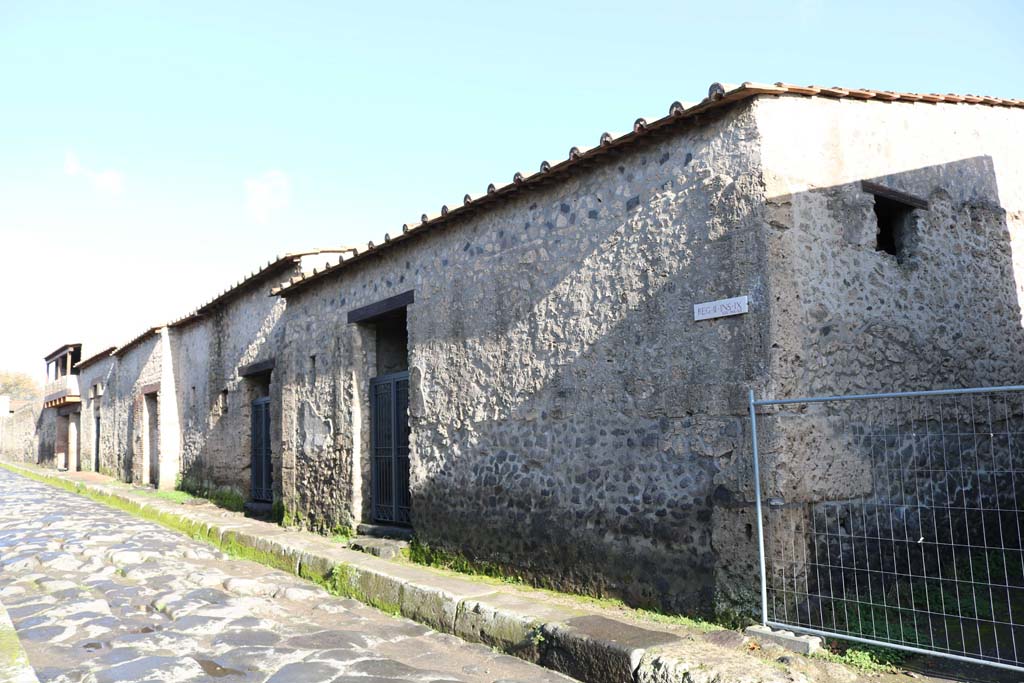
19, 385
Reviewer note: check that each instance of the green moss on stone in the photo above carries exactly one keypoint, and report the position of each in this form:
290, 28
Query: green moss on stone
12, 656
230, 544
278, 511
430, 556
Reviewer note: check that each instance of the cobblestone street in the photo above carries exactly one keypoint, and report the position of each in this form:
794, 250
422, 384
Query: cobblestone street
99, 596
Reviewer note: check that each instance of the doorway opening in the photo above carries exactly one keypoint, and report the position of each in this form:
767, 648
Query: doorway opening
262, 467
389, 420
74, 449
96, 442
151, 439
60, 451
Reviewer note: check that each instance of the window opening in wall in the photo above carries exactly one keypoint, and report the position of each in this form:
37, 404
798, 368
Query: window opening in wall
895, 223
224, 401
312, 369
894, 218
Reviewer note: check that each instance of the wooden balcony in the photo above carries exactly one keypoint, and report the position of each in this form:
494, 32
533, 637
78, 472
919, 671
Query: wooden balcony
61, 391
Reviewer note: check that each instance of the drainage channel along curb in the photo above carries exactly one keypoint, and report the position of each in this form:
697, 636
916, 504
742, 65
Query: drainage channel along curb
585, 644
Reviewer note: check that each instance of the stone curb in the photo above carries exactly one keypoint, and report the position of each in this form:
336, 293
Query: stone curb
801, 644
14, 664
587, 646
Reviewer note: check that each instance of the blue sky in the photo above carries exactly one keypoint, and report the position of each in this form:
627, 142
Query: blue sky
151, 153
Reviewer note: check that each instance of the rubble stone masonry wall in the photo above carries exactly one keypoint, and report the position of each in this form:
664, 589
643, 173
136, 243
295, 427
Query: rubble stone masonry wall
568, 416
20, 434
98, 384
214, 400
139, 371
849, 319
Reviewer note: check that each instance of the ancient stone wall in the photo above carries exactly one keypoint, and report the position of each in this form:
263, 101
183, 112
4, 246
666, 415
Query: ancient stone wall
97, 382
214, 399
568, 416
139, 370
847, 317
22, 435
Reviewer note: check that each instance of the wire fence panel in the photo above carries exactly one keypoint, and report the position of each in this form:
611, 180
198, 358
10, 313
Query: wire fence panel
896, 519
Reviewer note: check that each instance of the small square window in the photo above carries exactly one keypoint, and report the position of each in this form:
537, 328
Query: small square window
895, 225
895, 220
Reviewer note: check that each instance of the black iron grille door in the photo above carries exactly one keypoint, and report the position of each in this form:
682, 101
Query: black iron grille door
262, 468
389, 401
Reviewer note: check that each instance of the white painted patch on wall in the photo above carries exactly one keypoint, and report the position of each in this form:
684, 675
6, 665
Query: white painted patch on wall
722, 308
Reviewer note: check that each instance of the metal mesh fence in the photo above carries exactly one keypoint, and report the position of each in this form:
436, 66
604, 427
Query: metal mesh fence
921, 546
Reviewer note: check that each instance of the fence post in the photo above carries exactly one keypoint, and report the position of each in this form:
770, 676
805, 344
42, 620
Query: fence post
757, 507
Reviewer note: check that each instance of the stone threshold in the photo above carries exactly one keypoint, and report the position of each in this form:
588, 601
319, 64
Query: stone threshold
587, 644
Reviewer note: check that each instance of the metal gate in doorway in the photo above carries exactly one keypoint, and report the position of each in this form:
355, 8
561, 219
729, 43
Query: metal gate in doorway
895, 519
262, 466
389, 423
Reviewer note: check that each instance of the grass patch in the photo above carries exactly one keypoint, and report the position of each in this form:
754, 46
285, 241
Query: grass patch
863, 657
677, 620
954, 608
180, 497
429, 556
221, 496
421, 553
229, 499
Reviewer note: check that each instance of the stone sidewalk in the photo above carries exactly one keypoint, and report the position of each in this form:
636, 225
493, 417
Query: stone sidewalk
98, 595
574, 637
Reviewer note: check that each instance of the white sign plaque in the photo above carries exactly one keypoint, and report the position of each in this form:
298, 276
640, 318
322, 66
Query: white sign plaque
721, 308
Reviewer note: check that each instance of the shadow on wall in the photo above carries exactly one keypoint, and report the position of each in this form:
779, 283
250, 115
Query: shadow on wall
216, 423
597, 440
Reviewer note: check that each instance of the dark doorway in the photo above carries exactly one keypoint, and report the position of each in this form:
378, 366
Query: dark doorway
152, 441
392, 342
389, 421
96, 444
262, 469
389, 401
262, 466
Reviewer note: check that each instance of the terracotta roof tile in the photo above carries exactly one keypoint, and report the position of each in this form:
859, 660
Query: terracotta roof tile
718, 95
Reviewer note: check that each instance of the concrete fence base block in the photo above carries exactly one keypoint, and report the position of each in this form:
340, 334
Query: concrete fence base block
801, 644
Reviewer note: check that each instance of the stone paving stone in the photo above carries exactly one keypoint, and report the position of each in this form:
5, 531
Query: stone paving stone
98, 596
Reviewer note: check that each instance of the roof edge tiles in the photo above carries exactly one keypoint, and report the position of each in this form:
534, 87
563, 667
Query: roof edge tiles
719, 95
273, 266
152, 331
96, 358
